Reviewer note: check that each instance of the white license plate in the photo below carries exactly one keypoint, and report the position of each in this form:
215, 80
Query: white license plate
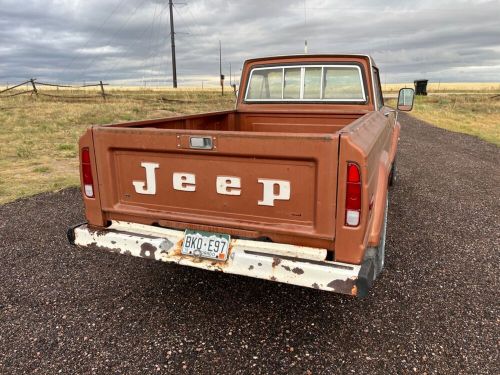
206, 244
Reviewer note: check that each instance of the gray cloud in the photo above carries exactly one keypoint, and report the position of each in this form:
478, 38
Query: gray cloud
127, 41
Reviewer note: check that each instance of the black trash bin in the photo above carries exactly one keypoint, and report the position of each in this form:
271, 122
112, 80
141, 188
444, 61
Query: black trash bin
421, 86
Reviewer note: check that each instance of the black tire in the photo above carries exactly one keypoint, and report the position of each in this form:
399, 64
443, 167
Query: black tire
377, 254
393, 175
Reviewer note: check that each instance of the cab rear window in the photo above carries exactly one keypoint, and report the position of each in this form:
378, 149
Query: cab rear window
337, 83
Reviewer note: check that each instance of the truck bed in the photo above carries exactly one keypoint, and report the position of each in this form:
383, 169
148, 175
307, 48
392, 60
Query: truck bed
250, 146
272, 122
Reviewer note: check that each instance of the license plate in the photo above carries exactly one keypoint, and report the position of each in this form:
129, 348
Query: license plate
206, 244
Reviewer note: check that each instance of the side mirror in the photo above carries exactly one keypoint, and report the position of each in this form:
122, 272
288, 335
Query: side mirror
405, 99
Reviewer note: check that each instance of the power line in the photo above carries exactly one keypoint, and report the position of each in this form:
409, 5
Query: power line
115, 34
99, 29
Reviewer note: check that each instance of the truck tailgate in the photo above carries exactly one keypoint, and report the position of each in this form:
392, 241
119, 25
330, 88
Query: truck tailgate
256, 170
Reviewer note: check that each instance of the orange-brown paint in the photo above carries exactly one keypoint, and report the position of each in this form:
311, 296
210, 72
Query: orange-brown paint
307, 144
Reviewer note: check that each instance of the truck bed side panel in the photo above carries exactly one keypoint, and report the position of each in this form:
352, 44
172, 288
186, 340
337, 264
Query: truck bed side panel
369, 143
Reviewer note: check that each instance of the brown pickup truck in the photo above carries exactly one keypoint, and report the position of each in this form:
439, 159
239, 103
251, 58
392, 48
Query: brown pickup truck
291, 186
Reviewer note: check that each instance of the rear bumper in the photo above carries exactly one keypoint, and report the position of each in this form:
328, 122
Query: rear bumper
303, 266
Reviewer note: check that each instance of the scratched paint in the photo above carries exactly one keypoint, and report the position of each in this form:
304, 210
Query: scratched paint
248, 258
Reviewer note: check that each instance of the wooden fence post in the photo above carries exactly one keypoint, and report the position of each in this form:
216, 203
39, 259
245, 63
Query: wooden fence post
34, 87
102, 90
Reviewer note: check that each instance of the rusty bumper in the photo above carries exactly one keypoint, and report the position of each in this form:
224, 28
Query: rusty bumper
298, 265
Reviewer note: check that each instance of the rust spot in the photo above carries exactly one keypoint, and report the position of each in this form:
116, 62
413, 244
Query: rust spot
148, 250
110, 249
272, 278
178, 248
298, 271
315, 286
276, 261
97, 232
343, 286
287, 268
127, 252
250, 268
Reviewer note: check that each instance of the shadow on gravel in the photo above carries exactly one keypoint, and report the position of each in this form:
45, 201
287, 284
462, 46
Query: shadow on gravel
434, 309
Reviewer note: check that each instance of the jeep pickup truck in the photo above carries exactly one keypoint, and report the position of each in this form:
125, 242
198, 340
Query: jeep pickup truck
290, 186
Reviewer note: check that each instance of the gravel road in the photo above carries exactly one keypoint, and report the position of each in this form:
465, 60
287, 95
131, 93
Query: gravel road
434, 310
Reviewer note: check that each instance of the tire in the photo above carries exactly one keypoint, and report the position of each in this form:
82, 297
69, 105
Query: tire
377, 254
393, 175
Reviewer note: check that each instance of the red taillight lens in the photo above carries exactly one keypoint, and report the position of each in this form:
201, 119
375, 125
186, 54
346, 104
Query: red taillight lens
353, 196
353, 173
88, 181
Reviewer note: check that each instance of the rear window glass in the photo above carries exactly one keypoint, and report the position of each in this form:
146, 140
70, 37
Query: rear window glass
312, 83
291, 88
343, 83
266, 84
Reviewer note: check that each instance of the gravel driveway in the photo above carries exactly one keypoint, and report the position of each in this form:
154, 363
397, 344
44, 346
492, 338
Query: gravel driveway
434, 310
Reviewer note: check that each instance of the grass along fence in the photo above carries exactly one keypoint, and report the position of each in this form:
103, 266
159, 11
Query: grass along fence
33, 88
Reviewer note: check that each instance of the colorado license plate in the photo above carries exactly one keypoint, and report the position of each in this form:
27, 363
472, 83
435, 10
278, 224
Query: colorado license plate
206, 244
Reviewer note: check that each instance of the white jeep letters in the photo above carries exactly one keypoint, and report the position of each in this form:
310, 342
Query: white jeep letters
225, 185
150, 180
184, 181
228, 185
283, 191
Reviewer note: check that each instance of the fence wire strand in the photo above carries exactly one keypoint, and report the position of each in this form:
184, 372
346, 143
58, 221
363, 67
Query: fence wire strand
34, 90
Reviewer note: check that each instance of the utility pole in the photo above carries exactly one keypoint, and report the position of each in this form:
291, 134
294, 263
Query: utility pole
220, 68
172, 41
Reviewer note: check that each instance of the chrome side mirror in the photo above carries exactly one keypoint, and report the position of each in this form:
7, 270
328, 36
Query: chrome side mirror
405, 99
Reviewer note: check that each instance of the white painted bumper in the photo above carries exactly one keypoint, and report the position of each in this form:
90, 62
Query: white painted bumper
298, 265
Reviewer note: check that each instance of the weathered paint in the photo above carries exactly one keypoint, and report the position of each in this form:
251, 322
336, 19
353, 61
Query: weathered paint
284, 263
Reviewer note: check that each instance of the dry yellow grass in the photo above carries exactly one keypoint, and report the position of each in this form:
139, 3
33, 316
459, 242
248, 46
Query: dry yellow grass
446, 87
474, 114
38, 136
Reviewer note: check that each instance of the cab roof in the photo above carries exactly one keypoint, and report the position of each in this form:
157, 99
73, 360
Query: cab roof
312, 55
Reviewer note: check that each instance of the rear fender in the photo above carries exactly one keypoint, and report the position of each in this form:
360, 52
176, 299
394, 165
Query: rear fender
379, 200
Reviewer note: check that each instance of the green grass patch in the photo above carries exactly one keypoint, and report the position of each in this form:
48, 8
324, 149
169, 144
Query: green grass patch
43, 169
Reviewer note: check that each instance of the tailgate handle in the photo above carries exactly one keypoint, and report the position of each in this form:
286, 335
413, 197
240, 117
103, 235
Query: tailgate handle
200, 142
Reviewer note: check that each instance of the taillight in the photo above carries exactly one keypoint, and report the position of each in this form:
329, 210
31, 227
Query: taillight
353, 196
88, 181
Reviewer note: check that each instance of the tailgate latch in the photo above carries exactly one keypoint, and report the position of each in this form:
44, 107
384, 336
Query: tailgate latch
200, 142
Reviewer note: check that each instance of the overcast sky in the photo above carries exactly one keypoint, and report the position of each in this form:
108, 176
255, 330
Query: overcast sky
128, 41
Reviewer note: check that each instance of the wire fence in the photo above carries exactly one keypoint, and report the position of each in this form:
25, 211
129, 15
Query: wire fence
33, 89
64, 92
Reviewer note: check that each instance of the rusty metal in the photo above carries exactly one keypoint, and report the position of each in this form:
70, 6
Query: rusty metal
270, 261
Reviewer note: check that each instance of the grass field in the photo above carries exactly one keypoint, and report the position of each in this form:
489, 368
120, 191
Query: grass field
38, 136
475, 114
447, 87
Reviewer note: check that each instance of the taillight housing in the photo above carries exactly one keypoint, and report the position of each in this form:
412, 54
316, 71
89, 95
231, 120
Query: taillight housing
88, 180
353, 195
